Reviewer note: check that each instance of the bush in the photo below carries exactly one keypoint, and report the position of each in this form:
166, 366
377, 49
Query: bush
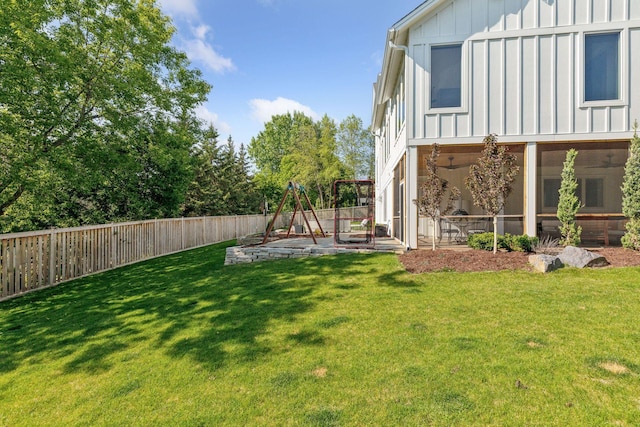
631, 239
522, 243
484, 241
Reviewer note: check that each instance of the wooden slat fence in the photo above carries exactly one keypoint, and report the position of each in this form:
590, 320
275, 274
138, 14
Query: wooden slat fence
39, 259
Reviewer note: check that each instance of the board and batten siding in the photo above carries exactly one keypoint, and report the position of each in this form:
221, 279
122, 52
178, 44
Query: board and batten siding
522, 69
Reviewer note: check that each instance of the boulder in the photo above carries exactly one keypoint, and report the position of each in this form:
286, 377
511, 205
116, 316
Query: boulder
250, 240
581, 258
545, 263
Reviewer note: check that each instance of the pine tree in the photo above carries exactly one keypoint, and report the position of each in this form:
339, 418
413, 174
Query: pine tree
631, 194
433, 192
204, 194
568, 202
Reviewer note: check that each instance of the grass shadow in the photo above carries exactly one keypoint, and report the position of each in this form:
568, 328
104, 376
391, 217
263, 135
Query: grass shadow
188, 304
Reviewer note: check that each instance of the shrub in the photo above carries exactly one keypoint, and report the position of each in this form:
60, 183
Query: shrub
484, 241
522, 243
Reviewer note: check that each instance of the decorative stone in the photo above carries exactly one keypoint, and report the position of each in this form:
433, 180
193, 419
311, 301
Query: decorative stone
545, 263
581, 258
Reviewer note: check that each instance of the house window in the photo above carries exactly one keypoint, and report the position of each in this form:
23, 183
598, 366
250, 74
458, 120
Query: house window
601, 67
446, 76
551, 195
593, 195
590, 191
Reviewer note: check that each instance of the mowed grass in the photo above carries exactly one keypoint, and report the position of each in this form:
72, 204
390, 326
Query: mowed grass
341, 340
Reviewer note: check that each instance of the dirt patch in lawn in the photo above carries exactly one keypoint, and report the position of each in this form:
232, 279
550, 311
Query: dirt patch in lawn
466, 260
614, 368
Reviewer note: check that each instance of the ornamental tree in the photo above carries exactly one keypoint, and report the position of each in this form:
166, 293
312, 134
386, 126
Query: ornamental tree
490, 180
631, 194
433, 192
568, 202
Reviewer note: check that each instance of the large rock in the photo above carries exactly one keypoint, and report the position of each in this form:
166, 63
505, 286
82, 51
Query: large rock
581, 258
545, 263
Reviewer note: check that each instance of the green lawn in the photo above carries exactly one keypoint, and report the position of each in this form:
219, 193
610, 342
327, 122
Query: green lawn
340, 340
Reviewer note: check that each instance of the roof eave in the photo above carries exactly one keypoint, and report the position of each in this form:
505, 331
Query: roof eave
397, 35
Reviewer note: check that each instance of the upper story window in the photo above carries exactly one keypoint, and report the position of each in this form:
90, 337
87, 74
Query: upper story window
446, 76
601, 67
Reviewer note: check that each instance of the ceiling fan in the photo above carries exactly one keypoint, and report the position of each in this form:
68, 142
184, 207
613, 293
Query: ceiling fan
607, 163
451, 166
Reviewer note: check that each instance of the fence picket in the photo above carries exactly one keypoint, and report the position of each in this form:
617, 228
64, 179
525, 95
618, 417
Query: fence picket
40, 259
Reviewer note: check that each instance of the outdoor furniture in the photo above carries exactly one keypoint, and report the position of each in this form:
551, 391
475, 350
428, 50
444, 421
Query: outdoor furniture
477, 226
450, 230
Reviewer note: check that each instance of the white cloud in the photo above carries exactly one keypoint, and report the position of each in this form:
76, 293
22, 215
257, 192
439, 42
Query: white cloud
200, 32
263, 109
200, 50
179, 7
209, 117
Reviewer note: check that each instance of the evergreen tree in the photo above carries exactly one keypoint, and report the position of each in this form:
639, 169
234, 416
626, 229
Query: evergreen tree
631, 194
568, 202
204, 194
490, 180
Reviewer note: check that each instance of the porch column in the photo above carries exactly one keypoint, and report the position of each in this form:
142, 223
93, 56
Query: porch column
530, 188
411, 188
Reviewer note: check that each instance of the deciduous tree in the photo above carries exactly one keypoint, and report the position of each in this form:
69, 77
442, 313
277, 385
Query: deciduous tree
433, 192
490, 180
93, 96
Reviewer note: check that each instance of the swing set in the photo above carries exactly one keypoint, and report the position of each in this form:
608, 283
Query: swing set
294, 189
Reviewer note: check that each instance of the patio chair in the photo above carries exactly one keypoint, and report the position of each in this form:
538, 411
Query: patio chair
448, 229
478, 227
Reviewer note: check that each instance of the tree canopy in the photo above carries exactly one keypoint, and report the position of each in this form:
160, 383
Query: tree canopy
97, 113
294, 147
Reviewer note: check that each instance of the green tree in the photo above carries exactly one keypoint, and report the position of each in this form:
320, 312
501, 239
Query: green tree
313, 162
432, 193
631, 194
568, 202
490, 180
274, 142
267, 150
204, 193
94, 98
355, 147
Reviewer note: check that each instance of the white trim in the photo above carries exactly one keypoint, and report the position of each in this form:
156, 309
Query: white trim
464, 77
623, 69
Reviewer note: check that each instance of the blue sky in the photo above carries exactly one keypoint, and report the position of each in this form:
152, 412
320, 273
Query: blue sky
266, 57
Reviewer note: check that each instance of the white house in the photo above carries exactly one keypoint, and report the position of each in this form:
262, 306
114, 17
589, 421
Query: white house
543, 75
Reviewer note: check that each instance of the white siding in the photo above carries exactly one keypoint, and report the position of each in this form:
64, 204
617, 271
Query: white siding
634, 88
528, 82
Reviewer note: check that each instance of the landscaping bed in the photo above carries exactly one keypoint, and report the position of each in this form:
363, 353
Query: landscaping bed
467, 260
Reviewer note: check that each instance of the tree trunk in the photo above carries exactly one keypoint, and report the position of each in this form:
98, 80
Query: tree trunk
433, 238
495, 234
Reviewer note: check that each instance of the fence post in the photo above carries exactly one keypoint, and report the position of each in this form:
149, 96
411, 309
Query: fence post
182, 233
52, 256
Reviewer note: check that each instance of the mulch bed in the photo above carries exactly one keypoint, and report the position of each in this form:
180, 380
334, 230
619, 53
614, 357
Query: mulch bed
465, 260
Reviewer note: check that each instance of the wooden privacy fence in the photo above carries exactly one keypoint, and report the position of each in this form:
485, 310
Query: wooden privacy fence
39, 259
